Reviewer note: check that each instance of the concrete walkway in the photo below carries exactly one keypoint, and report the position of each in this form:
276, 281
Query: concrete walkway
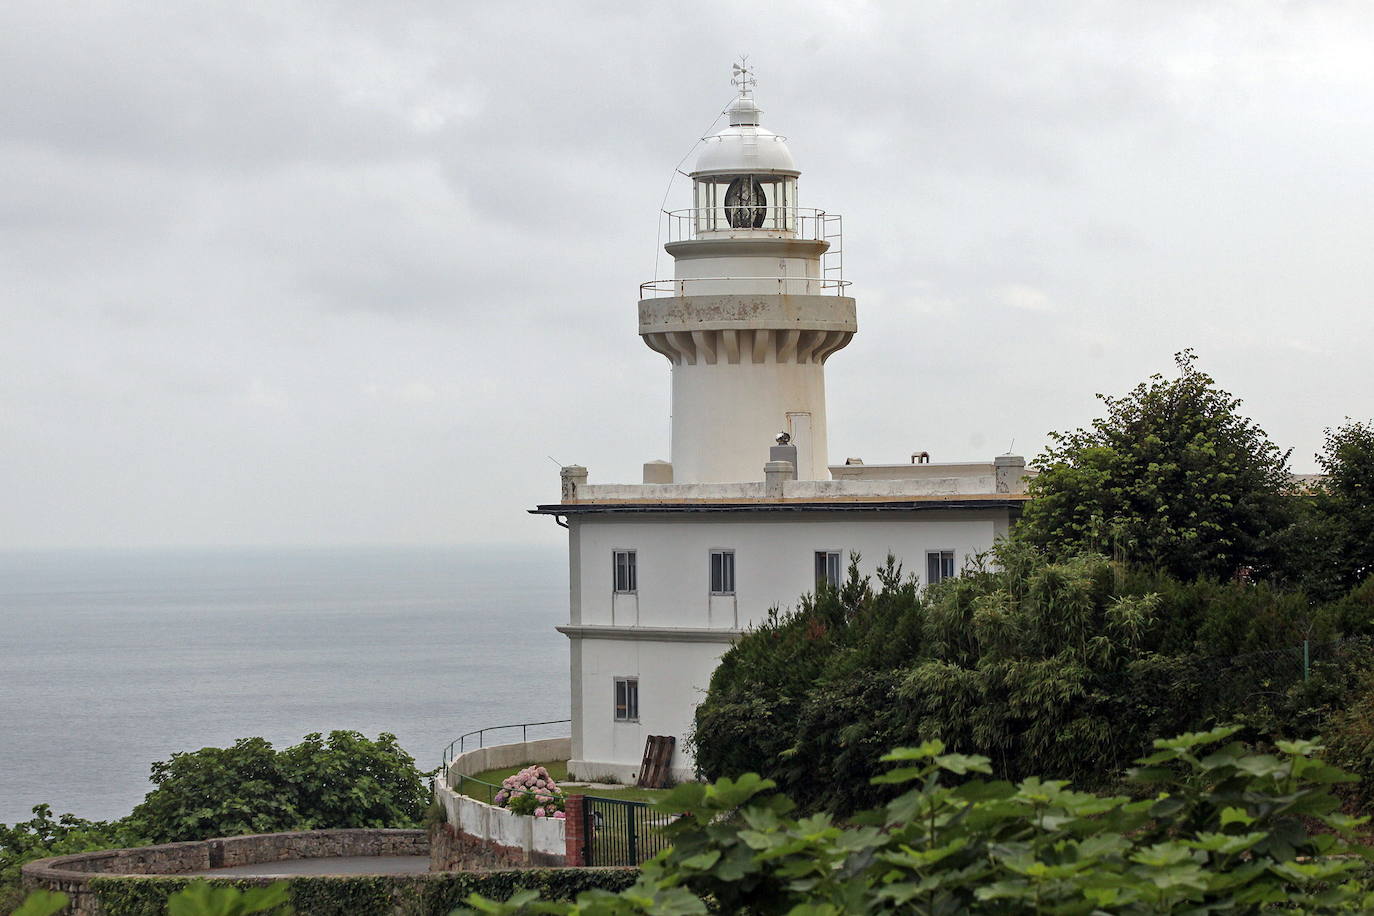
346, 865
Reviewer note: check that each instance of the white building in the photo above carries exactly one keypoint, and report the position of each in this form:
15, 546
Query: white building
666, 573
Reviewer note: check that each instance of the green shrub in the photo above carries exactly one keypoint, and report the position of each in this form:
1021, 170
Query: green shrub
1214, 618
199, 898
1353, 612
1222, 831
1068, 669
1350, 745
43, 836
38, 903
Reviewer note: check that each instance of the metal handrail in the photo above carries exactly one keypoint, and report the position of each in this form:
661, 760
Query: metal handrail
678, 286
461, 741
809, 212
791, 222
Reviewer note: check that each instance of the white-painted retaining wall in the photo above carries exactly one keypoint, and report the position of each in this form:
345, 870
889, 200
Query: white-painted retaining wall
491, 824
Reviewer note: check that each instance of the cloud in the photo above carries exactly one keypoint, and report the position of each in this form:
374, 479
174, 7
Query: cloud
1026, 299
221, 223
259, 394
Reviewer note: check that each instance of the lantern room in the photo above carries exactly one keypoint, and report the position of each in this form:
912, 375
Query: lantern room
745, 182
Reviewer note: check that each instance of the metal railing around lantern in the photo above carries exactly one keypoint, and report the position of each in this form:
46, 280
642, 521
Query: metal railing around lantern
799, 223
694, 286
805, 223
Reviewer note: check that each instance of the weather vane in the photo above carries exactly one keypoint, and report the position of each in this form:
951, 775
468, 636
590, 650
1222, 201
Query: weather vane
743, 75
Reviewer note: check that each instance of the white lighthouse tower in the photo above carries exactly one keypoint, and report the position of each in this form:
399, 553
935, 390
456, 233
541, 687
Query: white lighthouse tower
754, 309
749, 515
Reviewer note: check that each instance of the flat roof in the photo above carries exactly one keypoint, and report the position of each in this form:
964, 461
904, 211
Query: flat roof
835, 504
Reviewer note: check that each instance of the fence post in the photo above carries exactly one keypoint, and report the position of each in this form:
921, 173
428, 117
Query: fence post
1306, 661
575, 831
632, 840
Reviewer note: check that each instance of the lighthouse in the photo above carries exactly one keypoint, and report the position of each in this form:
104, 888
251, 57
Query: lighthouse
755, 307
749, 514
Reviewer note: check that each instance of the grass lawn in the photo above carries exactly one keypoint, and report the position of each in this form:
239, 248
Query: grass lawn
558, 769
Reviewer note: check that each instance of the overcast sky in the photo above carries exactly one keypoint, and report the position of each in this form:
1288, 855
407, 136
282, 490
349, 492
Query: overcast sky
350, 273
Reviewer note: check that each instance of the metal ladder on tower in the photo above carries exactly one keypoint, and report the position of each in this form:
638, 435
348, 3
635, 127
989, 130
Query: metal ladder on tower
832, 262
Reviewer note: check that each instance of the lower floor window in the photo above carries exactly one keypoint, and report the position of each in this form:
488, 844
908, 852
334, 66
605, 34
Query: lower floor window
939, 566
627, 699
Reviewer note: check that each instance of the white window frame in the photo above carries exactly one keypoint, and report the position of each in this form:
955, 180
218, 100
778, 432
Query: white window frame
631, 705
727, 570
834, 568
940, 553
632, 571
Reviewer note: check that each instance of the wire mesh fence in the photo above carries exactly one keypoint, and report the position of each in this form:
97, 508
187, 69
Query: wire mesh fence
1281, 680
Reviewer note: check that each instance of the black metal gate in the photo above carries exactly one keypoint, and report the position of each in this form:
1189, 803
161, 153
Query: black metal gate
622, 832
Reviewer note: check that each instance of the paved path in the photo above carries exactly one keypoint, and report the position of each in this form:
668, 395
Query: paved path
344, 865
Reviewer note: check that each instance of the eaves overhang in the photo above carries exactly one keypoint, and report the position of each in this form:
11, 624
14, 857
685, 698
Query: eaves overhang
1010, 502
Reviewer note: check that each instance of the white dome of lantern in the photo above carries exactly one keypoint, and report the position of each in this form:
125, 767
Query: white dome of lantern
745, 179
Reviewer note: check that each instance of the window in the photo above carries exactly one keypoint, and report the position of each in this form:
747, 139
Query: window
627, 699
626, 579
828, 568
722, 572
939, 566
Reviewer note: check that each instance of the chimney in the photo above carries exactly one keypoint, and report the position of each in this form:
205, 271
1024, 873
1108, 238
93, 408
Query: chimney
574, 478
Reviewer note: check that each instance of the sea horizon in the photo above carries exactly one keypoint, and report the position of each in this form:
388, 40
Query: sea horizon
116, 657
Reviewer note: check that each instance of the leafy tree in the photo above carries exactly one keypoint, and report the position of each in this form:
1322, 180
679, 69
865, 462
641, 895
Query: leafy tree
1173, 477
218, 792
1332, 541
350, 781
347, 781
1219, 830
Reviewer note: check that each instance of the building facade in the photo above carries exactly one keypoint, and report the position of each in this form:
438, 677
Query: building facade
749, 514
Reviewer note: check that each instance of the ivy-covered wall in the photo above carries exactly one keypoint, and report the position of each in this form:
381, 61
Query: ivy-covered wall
434, 894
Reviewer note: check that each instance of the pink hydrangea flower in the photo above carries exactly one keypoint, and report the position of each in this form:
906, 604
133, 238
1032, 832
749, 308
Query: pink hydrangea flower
538, 812
559, 816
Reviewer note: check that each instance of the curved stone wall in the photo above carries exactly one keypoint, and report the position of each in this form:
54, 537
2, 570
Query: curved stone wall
70, 874
478, 835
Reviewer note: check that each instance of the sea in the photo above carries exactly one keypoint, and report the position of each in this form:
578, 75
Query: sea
111, 660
